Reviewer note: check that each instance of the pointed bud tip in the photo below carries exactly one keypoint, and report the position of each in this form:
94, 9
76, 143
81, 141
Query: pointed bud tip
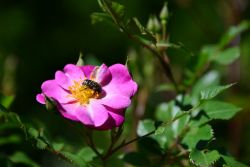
164, 12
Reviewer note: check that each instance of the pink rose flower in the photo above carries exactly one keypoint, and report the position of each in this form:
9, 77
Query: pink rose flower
94, 95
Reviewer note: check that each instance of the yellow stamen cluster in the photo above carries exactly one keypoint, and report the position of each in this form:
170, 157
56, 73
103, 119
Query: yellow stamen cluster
82, 93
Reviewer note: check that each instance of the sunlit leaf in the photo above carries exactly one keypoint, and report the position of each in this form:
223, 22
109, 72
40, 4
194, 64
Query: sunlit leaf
204, 158
164, 111
231, 162
167, 112
211, 92
196, 134
208, 80
145, 126
220, 110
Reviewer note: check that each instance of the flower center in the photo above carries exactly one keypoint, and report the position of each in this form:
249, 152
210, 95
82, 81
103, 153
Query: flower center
83, 92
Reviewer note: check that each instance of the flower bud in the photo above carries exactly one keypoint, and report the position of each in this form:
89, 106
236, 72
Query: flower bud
157, 25
150, 24
164, 12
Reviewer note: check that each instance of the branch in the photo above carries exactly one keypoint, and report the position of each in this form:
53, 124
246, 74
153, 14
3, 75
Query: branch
153, 50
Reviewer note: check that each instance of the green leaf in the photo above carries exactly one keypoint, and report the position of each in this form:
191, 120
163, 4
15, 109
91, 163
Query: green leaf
12, 139
220, 110
136, 158
209, 79
114, 9
227, 56
204, 158
197, 63
6, 101
21, 158
40, 144
196, 134
75, 158
233, 32
164, 111
211, 92
100, 17
118, 9
160, 130
58, 146
167, 112
33, 132
2, 109
145, 126
40, 139
12, 118
87, 154
136, 28
231, 162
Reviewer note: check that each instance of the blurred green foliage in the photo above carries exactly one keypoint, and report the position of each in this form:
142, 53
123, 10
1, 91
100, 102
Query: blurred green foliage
40, 37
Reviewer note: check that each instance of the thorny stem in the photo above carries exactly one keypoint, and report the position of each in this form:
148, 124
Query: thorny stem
127, 143
91, 143
153, 50
150, 133
112, 150
163, 61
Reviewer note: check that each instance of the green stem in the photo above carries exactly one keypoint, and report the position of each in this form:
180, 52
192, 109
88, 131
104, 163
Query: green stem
90, 142
153, 50
127, 143
150, 133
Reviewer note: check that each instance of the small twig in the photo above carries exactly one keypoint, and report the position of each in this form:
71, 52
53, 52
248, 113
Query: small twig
91, 144
127, 143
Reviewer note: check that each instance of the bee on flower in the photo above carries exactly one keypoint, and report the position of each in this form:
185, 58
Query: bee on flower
96, 96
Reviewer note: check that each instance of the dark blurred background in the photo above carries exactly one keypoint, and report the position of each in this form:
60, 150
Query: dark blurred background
39, 37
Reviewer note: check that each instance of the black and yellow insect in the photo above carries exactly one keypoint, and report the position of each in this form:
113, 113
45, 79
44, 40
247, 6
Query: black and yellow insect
92, 85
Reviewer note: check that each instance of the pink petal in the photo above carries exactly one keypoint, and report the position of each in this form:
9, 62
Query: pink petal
101, 74
116, 119
74, 72
87, 70
51, 89
83, 115
97, 112
121, 82
68, 110
120, 73
126, 89
115, 101
63, 80
40, 98
76, 112
118, 116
